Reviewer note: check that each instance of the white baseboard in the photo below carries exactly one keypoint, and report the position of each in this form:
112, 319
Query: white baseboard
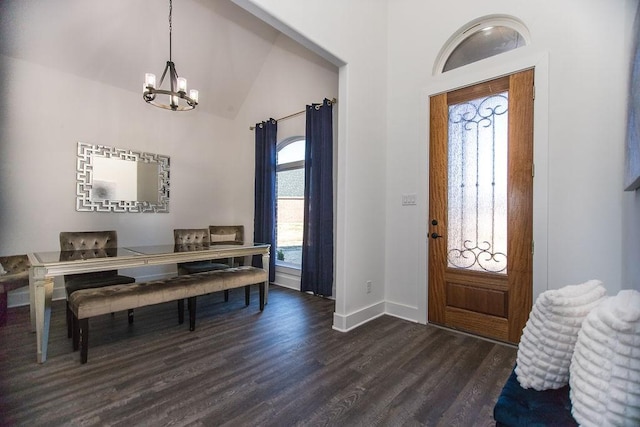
401, 311
287, 278
345, 323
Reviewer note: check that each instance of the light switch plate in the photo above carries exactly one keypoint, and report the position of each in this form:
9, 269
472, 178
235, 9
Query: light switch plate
409, 199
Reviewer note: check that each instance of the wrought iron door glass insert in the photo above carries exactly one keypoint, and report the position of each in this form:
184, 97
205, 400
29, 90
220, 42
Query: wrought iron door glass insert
477, 200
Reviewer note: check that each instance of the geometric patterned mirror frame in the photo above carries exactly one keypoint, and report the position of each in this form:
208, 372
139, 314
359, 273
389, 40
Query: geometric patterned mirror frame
86, 201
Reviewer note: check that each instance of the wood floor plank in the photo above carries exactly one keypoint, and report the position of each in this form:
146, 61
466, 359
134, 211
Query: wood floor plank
283, 366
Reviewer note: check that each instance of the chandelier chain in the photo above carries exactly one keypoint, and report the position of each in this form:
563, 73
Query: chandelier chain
170, 27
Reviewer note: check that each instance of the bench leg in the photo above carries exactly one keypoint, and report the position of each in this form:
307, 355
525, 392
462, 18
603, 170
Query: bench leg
84, 339
130, 316
262, 296
192, 313
181, 311
247, 295
226, 295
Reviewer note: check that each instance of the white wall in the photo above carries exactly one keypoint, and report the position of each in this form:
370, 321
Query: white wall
389, 49
355, 33
580, 116
46, 112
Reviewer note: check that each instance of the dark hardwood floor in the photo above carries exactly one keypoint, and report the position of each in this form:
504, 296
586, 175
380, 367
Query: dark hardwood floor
282, 367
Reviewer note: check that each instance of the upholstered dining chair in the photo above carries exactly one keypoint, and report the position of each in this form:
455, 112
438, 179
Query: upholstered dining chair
194, 239
14, 274
229, 235
76, 245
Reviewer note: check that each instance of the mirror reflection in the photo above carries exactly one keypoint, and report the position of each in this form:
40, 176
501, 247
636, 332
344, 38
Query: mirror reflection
119, 180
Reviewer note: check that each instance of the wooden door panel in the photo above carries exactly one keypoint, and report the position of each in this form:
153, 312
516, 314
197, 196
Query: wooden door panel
484, 301
477, 323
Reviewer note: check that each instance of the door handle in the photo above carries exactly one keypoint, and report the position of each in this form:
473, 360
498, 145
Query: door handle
435, 235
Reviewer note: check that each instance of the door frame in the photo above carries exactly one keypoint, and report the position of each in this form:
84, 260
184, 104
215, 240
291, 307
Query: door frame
489, 69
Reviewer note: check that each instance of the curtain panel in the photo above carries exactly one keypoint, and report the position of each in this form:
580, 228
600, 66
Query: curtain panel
317, 245
264, 226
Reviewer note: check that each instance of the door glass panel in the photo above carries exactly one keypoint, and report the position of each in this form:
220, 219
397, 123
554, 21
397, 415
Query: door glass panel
477, 188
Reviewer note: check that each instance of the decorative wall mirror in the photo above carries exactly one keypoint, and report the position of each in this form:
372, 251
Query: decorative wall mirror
118, 180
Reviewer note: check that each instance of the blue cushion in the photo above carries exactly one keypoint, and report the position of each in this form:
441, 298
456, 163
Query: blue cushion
518, 406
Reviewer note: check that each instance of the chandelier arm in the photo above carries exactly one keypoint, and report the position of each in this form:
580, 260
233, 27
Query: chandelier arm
173, 76
164, 73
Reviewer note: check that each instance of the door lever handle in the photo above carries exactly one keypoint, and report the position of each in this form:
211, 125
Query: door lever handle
435, 235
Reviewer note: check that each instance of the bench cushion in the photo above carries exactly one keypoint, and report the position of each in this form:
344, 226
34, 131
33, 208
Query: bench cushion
519, 406
87, 303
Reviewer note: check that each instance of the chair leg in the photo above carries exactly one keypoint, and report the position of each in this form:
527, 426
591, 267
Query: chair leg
262, 296
84, 339
69, 321
3, 308
247, 295
226, 295
181, 311
130, 315
192, 313
76, 332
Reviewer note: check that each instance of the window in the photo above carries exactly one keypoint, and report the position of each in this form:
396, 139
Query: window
480, 39
290, 201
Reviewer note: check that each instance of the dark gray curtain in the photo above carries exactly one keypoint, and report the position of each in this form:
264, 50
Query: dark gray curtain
317, 245
264, 222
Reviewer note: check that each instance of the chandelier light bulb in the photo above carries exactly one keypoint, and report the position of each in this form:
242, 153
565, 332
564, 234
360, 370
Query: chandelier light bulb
182, 84
193, 94
150, 80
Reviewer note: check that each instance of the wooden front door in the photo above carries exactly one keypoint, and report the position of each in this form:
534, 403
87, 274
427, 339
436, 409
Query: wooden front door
480, 207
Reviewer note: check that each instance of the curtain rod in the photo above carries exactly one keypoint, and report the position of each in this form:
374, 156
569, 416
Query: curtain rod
333, 101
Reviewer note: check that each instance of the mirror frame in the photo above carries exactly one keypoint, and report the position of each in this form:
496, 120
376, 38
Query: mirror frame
84, 180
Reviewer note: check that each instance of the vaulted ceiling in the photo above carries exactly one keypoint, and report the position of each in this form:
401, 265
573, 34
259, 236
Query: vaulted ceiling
219, 47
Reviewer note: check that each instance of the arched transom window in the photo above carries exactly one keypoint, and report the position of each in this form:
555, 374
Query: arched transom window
480, 39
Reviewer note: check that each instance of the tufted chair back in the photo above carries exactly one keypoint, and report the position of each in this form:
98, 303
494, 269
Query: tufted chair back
75, 245
227, 234
16, 266
16, 276
191, 239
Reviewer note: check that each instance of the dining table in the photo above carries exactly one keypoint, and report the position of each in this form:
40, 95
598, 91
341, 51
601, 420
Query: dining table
45, 266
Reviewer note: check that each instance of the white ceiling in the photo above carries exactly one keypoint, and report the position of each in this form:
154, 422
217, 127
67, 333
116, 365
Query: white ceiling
219, 47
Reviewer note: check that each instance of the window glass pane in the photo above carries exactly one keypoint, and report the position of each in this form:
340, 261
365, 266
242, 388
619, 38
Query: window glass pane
291, 152
290, 216
477, 201
482, 44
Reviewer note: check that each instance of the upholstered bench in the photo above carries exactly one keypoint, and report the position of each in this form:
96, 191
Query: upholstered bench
518, 406
86, 303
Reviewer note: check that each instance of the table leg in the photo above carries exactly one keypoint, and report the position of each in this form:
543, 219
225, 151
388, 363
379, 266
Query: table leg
32, 300
265, 265
43, 293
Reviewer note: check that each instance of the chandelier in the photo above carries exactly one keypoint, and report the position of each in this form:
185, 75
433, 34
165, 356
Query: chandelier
177, 98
